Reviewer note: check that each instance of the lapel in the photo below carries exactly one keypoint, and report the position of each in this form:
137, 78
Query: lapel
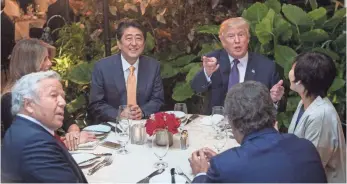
224, 66
295, 116
142, 78
119, 77
251, 66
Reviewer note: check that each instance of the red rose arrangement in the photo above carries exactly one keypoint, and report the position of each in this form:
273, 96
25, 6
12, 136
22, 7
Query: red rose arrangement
164, 121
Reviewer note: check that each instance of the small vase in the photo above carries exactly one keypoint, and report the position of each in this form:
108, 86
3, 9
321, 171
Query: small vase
160, 138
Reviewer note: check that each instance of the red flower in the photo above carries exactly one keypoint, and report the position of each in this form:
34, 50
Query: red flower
164, 121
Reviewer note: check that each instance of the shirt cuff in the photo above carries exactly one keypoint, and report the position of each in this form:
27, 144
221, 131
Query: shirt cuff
276, 104
207, 77
200, 174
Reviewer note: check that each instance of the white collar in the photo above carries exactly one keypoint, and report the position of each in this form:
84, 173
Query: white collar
243, 60
126, 65
37, 122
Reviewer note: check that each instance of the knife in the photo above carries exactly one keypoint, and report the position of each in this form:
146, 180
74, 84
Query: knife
191, 118
172, 171
146, 179
113, 128
88, 160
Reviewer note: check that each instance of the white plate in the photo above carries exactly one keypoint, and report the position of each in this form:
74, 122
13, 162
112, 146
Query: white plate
98, 129
83, 157
178, 114
209, 120
88, 145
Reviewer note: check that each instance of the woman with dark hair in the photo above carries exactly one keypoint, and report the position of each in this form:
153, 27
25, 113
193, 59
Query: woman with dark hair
28, 56
315, 118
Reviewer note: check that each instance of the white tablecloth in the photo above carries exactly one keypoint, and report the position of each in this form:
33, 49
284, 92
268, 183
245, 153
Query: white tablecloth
139, 162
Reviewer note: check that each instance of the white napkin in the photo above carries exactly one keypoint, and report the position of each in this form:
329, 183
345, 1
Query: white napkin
209, 120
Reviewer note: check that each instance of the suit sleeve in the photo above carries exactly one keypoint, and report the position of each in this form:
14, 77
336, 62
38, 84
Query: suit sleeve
199, 83
157, 96
212, 175
44, 162
98, 107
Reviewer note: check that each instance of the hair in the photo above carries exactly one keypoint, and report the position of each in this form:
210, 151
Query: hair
316, 71
126, 23
249, 107
27, 87
237, 22
27, 56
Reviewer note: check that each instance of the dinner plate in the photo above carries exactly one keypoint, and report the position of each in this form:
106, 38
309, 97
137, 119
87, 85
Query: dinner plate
88, 145
178, 114
98, 129
83, 157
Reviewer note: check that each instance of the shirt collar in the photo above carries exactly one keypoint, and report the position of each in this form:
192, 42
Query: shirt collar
243, 60
126, 65
37, 122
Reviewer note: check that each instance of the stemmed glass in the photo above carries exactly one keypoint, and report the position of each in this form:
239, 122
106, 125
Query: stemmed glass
220, 143
123, 119
183, 108
123, 137
218, 120
160, 147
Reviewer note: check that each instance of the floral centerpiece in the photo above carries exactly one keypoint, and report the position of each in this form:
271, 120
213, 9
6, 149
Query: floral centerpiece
162, 120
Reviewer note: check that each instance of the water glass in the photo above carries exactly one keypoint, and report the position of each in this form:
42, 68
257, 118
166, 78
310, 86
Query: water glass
218, 119
183, 108
160, 150
123, 137
221, 141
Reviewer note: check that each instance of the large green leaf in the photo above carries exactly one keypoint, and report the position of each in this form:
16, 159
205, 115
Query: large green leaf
182, 61
284, 56
167, 70
282, 28
340, 41
208, 47
182, 91
315, 35
81, 73
263, 29
192, 72
274, 4
313, 4
328, 52
150, 42
256, 12
208, 29
337, 84
187, 68
336, 19
317, 13
296, 15
76, 104
292, 103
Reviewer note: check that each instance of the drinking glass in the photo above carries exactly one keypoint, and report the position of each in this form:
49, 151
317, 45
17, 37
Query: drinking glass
123, 119
220, 143
160, 150
183, 108
123, 137
218, 120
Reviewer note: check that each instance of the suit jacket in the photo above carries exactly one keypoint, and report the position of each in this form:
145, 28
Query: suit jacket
259, 68
321, 125
108, 88
7, 39
266, 156
30, 154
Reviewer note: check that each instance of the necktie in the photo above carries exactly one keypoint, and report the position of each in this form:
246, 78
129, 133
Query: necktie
131, 87
234, 76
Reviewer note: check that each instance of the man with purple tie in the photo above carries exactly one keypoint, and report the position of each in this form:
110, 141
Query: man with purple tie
234, 64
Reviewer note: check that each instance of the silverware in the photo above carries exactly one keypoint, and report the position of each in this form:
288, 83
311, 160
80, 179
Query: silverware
96, 154
180, 172
172, 172
146, 179
106, 162
89, 160
191, 118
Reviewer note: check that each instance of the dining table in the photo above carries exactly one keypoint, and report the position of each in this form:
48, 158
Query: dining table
139, 162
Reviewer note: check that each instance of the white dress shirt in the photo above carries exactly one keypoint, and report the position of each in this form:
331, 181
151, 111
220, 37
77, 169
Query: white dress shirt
126, 69
37, 122
242, 66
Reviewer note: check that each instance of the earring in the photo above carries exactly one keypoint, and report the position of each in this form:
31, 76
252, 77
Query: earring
297, 83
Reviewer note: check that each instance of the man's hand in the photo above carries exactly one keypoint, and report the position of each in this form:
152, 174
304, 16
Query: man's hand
73, 139
209, 153
135, 112
86, 137
210, 65
198, 162
277, 91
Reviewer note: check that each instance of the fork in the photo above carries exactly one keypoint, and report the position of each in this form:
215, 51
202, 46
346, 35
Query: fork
180, 172
106, 162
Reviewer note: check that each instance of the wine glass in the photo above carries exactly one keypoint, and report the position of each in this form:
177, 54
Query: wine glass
218, 120
160, 147
220, 143
183, 108
123, 137
123, 119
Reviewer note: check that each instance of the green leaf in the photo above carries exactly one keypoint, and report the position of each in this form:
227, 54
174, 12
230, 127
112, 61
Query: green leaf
208, 47
81, 73
274, 4
256, 12
76, 104
313, 4
181, 61
340, 41
328, 52
208, 29
182, 91
192, 72
284, 56
296, 15
317, 13
292, 103
187, 68
315, 35
263, 29
150, 42
336, 19
167, 70
337, 84
282, 28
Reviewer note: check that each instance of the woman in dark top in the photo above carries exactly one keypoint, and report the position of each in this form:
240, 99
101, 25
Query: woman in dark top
33, 55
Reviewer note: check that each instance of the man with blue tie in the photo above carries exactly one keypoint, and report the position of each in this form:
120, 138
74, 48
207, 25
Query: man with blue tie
30, 152
264, 154
127, 78
234, 64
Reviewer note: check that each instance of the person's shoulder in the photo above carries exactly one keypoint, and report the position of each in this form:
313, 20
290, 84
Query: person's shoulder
6, 96
261, 58
108, 60
152, 62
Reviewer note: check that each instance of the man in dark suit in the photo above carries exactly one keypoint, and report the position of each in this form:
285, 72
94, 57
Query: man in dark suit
127, 78
30, 152
264, 155
234, 64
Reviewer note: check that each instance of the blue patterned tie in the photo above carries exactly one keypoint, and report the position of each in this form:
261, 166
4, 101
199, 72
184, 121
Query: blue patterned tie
234, 76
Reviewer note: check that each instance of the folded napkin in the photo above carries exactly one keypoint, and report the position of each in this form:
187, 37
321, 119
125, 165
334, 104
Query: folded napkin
209, 120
